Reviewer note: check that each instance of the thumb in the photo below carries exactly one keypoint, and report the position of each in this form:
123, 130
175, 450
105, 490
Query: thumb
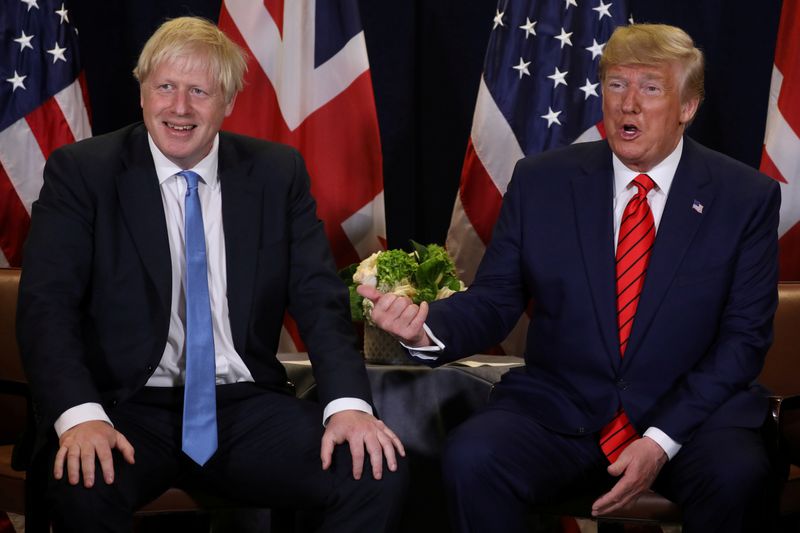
617, 468
369, 292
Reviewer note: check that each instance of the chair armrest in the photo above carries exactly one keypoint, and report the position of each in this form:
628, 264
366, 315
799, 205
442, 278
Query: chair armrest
785, 411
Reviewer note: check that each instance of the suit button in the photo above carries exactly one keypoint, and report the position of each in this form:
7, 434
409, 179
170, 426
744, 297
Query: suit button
581, 430
622, 384
114, 402
149, 368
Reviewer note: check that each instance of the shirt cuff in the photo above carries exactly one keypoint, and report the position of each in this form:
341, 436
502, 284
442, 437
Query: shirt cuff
344, 404
670, 447
426, 352
78, 415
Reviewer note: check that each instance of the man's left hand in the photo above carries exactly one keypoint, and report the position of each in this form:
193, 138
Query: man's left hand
361, 431
638, 464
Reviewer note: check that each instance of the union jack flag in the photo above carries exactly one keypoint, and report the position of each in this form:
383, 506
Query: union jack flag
309, 85
42, 106
781, 154
539, 90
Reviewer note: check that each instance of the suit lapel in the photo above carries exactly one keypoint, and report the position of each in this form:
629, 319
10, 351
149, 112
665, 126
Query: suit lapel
242, 221
677, 228
143, 210
593, 197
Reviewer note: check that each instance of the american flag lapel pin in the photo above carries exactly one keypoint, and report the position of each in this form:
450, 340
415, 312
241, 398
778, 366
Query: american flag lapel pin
697, 206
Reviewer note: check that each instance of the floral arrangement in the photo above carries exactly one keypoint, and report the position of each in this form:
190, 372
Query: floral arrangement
423, 275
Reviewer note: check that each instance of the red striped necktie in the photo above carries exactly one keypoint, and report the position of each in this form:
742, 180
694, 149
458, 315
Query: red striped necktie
637, 232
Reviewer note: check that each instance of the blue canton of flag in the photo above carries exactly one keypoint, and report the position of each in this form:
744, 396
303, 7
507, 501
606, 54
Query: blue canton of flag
542, 68
41, 107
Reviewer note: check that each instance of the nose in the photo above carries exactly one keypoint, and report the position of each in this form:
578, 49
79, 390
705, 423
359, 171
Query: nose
180, 103
630, 101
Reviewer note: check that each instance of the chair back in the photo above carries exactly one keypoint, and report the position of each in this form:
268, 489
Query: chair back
781, 373
12, 378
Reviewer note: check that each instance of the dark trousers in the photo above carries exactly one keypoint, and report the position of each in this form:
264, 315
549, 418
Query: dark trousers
268, 456
499, 463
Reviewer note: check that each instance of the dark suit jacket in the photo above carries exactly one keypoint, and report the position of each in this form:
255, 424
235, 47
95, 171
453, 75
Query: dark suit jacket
704, 321
94, 301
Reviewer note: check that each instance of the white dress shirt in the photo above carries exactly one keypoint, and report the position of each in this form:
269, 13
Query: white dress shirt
662, 174
230, 368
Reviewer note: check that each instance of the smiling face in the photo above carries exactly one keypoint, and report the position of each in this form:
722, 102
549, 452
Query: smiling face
643, 113
183, 106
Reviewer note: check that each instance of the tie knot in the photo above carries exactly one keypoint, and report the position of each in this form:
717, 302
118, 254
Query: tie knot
644, 183
191, 178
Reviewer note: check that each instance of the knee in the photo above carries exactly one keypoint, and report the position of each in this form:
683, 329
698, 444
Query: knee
77, 508
738, 482
466, 458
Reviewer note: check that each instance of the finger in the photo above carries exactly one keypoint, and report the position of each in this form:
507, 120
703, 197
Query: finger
326, 451
87, 456
385, 302
387, 447
617, 468
125, 448
106, 464
357, 454
612, 499
375, 451
369, 292
395, 440
58, 464
419, 319
74, 464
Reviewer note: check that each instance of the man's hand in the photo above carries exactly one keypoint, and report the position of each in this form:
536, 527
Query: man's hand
398, 316
639, 464
80, 444
361, 430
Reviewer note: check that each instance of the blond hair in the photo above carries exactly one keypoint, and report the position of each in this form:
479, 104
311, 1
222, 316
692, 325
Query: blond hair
651, 44
186, 37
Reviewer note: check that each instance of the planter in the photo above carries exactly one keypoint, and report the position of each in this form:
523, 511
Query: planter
382, 348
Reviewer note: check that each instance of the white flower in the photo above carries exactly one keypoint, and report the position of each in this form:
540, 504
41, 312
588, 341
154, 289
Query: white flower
367, 271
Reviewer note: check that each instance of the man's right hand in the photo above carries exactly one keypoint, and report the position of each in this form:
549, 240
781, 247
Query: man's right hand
81, 444
398, 316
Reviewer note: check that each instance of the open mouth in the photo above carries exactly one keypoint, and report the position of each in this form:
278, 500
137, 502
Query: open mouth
629, 131
180, 127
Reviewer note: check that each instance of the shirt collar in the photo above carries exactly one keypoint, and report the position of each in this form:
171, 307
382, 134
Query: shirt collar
206, 168
662, 174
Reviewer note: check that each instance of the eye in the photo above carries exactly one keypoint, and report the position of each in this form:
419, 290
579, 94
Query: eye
652, 89
165, 87
197, 91
615, 85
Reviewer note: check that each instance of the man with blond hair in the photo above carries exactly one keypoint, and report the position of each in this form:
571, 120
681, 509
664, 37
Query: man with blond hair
160, 262
652, 265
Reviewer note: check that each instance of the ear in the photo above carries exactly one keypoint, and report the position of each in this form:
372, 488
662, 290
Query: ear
688, 109
229, 106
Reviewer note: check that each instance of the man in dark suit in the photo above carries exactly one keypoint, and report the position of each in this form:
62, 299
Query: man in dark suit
652, 265
115, 317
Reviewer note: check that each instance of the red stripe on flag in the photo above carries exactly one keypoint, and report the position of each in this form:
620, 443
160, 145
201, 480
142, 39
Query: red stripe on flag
768, 167
49, 126
275, 8
479, 195
787, 50
14, 220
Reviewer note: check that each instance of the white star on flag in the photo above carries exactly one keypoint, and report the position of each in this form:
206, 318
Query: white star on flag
529, 27
564, 38
58, 53
589, 89
558, 78
552, 117
498, 19
24, 41
16, 81
603, 9
522, 67
596, 49
63, 14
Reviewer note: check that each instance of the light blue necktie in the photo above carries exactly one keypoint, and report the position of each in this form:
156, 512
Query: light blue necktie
199, 400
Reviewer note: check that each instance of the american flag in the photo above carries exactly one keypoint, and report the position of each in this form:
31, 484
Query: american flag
781, 155
539, 90
42, 106
309, 85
